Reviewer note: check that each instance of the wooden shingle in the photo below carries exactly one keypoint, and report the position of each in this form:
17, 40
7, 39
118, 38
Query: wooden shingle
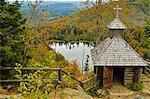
116, 52
116, 24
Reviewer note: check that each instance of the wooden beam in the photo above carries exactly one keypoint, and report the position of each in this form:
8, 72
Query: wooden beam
26, 68
23, 80
89, 79
71, 76
60, 73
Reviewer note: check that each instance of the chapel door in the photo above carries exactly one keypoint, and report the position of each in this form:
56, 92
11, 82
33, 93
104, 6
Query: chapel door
107, 76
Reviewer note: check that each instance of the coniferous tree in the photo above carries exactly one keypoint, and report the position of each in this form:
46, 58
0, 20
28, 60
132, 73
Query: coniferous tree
11, 30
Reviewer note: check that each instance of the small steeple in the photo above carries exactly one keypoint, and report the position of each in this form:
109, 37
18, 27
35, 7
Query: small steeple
116, 27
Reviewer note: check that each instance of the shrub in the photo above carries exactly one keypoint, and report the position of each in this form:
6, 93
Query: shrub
68, 82
136, 86
36, 86
87, 75
93, 91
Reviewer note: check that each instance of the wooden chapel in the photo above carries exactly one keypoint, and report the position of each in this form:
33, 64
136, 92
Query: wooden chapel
114, 59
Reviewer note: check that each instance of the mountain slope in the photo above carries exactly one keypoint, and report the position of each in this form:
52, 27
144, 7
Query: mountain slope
91, 25
56, 8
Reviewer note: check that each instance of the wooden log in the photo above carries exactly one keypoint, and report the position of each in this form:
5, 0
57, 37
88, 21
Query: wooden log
129, 74
26, 68
23, 80
71, 76
89, 79
59, 74
128, 70
128, 79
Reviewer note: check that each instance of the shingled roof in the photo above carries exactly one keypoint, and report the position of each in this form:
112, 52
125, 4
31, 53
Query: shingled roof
116, 52
116, 24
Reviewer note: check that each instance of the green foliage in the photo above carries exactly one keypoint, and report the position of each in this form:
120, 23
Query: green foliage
89, 24
41, 56
42, 83
36, 86
93, 91
68, 82
147, 27
104, 93
136, 86
90, 84
87, 75
71, 33
147, 71
144, 5
11, 30
86, 68
138, 38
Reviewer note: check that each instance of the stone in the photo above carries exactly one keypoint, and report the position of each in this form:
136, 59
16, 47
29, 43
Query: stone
99, 92
69, 93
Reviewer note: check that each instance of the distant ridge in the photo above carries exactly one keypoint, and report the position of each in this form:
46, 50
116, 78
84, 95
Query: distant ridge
56, 8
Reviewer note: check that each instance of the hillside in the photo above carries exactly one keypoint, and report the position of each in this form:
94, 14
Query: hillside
86, 20
91, 25
133, 12
141, 10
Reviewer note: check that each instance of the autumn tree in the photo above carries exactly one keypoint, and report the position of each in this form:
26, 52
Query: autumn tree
102, 14
144, 5
138, 38
37, 27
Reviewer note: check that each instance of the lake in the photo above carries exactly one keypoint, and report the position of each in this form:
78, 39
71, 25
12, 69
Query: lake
77, 52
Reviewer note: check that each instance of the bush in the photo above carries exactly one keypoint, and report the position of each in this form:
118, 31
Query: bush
87, 75
68, 82
93, 91
136, 86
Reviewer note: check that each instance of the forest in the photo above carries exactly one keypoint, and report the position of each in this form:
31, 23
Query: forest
24, 43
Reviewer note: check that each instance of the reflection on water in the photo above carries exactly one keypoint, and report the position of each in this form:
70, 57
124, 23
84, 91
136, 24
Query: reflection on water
77, 52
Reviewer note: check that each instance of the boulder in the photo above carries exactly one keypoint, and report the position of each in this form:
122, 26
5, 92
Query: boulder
69, 93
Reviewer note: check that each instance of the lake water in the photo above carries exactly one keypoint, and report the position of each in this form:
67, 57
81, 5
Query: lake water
75, 53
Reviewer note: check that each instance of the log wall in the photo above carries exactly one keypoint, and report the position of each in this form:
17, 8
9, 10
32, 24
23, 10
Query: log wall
130, 74
113, 32
137, 74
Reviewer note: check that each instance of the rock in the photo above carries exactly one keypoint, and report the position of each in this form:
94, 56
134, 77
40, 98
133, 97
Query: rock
146, 91
103, 92
99, 92
139, 97
69, 93
80, 88
17, 96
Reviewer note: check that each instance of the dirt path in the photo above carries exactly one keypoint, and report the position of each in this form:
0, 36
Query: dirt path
117, 91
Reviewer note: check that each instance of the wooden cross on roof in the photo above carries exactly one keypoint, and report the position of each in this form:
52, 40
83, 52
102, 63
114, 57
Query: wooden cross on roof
117, 10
